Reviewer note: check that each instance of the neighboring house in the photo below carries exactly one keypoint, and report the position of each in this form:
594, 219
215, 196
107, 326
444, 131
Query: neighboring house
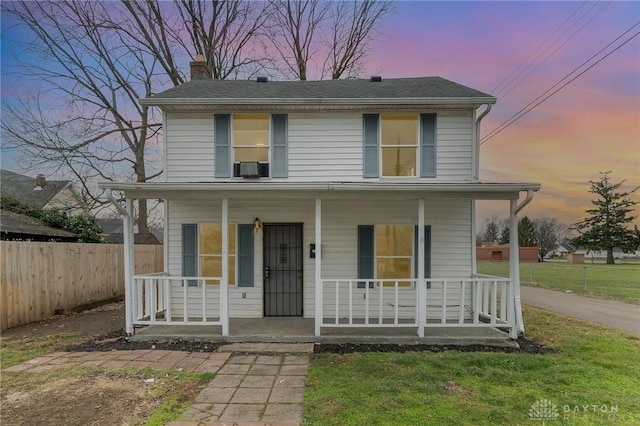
42, 193
19, 227
112, 233
502, 253
349, 202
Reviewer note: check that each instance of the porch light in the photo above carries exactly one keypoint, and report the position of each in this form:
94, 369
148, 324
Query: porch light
257, 225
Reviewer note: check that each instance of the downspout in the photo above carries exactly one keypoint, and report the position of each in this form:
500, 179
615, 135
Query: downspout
476, 178
515, 260
476, 145
128, 265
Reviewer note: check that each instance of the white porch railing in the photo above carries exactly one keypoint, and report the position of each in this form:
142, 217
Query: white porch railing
480, 301
163, 299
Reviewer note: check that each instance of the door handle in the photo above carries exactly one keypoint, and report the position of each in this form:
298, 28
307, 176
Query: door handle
267, 271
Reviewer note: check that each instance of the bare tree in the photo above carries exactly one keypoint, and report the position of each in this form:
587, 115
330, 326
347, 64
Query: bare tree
94, 60
295, 24
96, 76
90, 62
349, 35
330, 38
549, 234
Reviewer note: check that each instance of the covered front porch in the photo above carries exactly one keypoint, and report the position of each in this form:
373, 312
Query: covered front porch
338, 304
301, 330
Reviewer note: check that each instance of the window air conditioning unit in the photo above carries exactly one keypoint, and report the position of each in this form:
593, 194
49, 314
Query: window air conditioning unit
249, 170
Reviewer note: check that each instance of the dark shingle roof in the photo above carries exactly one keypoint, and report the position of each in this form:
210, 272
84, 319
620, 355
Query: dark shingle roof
110, 226
138, 238
21, 226
22, 188
397, 88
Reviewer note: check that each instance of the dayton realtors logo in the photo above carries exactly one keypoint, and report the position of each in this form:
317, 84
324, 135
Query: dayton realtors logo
543, 411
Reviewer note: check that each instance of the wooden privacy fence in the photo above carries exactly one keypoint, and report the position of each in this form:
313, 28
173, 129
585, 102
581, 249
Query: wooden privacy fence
39, 278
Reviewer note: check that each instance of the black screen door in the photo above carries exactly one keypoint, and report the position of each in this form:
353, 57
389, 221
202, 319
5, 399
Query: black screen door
282, 270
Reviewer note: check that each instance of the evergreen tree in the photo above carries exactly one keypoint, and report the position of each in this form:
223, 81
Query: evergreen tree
526, 233
607, 224
505, 235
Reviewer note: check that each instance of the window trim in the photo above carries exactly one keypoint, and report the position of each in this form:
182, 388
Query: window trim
417, 146
364, 231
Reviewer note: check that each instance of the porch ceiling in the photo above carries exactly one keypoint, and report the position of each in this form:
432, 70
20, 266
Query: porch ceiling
270, 190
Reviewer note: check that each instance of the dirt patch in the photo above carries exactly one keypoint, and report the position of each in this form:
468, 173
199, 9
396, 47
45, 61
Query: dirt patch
525, 346
87, 397
94, 322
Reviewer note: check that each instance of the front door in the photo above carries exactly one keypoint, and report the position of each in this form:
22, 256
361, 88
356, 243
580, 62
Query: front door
282, 270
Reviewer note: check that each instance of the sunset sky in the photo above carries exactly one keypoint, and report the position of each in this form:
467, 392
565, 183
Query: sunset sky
591, 125
516, 51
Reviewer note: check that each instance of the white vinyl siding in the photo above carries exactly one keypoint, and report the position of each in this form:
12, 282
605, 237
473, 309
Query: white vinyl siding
451, 249
189, 147
321, 146
242, 212
325, 146
454, 140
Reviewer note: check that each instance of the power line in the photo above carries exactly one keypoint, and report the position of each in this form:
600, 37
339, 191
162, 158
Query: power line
535, 68
541, 98
507, 80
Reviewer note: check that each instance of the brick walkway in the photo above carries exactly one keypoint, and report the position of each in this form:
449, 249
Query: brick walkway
198, 362
268, 389
248, 389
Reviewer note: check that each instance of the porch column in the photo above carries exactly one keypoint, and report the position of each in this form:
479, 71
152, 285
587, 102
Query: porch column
129, 264
318, 275
420, 284
515, 310
224, 285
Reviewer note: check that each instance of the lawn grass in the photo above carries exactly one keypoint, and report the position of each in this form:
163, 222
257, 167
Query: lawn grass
166, 399
616, 282
592, 365
19, 349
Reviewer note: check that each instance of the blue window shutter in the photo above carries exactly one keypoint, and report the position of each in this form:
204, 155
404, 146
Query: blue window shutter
279, 168
427, 253
366, 257
190, 252
428, 145
371, 125
222, 143
245, 255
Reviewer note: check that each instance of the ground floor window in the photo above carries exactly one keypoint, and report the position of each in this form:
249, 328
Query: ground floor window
202, 253
210, 251
394, 253
388, 253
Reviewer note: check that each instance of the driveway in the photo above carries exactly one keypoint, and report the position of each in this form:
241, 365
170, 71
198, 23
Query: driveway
623, 316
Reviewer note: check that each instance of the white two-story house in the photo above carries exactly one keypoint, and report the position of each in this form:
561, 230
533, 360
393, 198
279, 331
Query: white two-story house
347, 202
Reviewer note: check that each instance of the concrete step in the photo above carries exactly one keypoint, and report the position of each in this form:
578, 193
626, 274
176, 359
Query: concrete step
268, 348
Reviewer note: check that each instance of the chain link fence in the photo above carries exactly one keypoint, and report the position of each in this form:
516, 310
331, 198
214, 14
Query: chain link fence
616, 282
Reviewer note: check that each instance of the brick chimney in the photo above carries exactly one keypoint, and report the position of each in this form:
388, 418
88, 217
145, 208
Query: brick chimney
198, 68
41, 181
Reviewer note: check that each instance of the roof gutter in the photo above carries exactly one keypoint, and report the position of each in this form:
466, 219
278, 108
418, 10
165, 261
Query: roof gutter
466, 101
476, 145
524, 202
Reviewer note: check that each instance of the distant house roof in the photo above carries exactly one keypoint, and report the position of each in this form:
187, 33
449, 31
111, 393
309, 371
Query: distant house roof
15, 226
419, 91
138, 238
24, 188
110, 226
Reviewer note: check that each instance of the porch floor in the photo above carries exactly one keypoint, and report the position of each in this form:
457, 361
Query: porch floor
296, 329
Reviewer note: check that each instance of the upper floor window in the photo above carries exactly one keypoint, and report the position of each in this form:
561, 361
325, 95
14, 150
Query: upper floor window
399, 144
250, 138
